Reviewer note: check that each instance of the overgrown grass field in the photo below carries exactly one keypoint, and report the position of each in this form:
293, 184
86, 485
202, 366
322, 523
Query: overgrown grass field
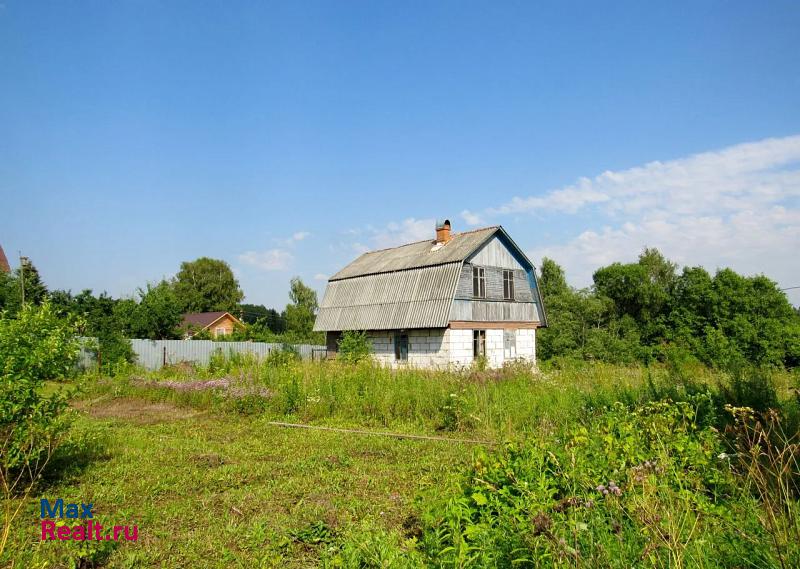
590, 465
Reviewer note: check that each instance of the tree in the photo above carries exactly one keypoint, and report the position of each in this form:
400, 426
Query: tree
302, 310
252, 313
207, 285
156, 316
552, 280
25, 282
276, 321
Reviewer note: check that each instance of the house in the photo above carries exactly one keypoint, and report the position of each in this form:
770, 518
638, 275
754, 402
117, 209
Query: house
4, 267
215, 323
439, 303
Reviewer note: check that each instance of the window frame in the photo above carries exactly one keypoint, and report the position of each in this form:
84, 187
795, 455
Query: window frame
478, 343
508, 284
400, 339
478, 282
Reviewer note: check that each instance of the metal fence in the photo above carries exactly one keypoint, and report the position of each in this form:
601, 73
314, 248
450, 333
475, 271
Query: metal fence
154, 354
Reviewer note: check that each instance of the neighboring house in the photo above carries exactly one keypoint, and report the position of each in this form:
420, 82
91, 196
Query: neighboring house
215, 323
4, 267
439, 303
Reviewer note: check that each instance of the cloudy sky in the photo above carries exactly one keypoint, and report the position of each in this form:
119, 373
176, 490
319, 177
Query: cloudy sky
288, 138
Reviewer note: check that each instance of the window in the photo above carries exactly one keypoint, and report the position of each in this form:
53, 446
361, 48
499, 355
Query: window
510, 343
401, 347
508, 285
478, 343
220, 331
478, 282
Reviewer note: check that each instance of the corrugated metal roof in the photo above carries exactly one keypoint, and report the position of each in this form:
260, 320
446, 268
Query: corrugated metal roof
415, 255
415, 298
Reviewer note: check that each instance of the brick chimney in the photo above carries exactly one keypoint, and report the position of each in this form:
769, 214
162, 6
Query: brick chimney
443, 232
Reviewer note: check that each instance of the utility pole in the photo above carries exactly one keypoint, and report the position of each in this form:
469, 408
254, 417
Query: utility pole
22, 275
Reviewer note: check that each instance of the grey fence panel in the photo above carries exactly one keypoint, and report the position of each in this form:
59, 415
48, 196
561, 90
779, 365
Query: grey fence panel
153, 354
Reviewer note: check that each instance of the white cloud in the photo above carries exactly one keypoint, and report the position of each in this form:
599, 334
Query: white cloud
732, 179
737, 207
471, 218
407, 231
269, 260
296, 237
320, 277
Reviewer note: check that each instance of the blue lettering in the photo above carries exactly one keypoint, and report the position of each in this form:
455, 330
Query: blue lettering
49, 512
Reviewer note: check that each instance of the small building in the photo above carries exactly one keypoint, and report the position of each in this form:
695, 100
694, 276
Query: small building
4, 267
442, 302
215, 323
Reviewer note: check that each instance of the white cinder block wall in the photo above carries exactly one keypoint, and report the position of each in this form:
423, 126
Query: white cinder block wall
442, 348
460, 347
426, 348
526, 345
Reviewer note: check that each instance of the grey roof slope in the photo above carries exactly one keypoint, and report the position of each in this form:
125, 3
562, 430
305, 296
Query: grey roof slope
411, 286
416, 255
417, 298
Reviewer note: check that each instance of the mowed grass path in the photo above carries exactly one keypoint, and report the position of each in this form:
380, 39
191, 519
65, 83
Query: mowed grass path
226, 490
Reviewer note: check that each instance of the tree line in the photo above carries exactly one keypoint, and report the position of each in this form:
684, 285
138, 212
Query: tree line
644, 311
156, 310
633, 312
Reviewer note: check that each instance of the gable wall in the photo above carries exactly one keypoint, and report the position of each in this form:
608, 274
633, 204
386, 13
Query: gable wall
495, 254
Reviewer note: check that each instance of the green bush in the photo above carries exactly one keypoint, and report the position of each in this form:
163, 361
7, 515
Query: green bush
35, 347
630, 488
284, 357
354, 347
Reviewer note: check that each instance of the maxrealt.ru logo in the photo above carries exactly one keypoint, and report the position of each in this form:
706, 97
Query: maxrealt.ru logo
87, 530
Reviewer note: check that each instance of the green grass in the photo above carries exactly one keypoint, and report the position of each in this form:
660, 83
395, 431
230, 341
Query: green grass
221, 491
211, 483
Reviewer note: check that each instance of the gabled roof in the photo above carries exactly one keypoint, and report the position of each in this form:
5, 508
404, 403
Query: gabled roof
4, 266
411, 286
202, 320
416, 255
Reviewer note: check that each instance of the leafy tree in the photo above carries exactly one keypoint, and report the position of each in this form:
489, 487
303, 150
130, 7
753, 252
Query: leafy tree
156, 316
252, 313
302, 310
552, 281
25, 280
100, 320
276, 321
207, 285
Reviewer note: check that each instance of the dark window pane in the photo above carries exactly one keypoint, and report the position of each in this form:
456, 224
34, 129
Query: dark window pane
478, 343
401, 347
508, 285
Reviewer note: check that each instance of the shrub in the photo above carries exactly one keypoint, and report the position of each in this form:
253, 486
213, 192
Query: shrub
354, 346
34, 347
633, 487
284, 357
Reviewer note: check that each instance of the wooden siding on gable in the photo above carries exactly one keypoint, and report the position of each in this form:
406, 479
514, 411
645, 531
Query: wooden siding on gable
494, 284
493, 311
495, 254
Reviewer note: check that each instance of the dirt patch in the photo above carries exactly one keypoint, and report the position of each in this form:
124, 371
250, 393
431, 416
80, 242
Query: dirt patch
225, 385
136, 411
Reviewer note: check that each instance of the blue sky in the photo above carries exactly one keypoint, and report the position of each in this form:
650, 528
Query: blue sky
287, 138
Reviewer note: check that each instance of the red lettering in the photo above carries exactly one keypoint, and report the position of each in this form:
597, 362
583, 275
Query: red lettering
63, 533
48, 529
134, 535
